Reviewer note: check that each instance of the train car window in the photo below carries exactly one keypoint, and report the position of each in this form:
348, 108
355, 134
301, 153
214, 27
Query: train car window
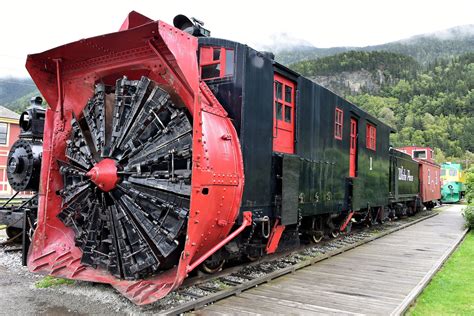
216, 54
3, 133
453, 172
443, 172
279, 110
420, 154
288, 94
210, 71
287, 114
371, 137
229, 62
216, 62
278, 90
338, 121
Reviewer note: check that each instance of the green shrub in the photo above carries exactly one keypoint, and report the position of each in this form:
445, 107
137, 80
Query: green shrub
470, 185
468, 214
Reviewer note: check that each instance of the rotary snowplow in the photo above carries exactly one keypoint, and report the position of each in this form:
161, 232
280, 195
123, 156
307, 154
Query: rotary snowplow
142, 172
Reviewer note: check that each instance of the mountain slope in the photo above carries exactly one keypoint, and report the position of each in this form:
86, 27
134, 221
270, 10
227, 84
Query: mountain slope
424, 48
13, 88
355, 71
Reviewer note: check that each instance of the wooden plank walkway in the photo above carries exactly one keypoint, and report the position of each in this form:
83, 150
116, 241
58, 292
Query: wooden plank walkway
378, 278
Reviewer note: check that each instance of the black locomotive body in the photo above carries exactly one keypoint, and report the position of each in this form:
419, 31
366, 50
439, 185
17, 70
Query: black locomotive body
404, 187
310, 185
23, 173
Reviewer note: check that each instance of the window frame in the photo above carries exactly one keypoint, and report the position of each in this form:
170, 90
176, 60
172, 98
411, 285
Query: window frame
222, 61
419, 151
281, 122
6, 134
338, 124
371, 138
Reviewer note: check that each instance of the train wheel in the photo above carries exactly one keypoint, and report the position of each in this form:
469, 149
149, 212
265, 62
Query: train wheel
13, 232
211, 267
335, 233
317, 236
252, 258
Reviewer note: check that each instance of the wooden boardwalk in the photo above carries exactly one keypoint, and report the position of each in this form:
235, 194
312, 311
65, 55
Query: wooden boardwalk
378, 278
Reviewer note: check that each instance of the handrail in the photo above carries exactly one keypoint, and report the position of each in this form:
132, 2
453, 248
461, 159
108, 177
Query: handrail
247, 221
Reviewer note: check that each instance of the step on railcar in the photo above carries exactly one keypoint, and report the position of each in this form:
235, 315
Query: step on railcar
168, 149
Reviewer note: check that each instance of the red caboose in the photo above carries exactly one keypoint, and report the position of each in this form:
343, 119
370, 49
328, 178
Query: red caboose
430, 186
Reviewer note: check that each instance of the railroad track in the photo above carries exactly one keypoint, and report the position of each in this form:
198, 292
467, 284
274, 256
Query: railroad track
199, 291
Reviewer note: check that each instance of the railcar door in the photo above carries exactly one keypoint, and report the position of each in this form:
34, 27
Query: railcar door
353, 149
283, 115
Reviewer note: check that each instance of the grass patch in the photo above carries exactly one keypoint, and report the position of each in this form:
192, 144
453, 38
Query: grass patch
49, 281
221, 285
451, 290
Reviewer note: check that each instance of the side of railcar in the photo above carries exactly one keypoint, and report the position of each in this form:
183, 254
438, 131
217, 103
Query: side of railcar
404, 183
348, 145
311, 158
430, 172
430, 188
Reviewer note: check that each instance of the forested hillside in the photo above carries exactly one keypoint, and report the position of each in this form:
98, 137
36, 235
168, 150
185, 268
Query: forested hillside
15, 93
430, 105
393, 64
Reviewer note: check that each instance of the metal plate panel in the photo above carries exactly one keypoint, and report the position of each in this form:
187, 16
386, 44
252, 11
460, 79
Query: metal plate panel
290, 190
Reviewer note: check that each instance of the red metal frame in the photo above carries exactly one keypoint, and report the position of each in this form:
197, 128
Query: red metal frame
283, 131
347, 220
371, 137
353, 148
167, 56
207, 59
275, 236
338, 123
245, 223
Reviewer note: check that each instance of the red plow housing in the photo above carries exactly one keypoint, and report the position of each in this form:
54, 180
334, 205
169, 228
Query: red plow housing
135, 200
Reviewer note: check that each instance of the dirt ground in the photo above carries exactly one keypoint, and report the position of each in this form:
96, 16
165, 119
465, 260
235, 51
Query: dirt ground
19, 295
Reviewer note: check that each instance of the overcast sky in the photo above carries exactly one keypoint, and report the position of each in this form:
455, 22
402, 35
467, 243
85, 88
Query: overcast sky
34, 26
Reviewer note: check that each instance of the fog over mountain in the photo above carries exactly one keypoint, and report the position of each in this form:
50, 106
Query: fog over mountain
425, 48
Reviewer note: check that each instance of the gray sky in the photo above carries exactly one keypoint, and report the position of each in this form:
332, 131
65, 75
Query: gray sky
34, 26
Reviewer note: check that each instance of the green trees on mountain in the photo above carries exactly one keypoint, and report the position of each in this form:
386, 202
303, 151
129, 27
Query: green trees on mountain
392, 64
430, 105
